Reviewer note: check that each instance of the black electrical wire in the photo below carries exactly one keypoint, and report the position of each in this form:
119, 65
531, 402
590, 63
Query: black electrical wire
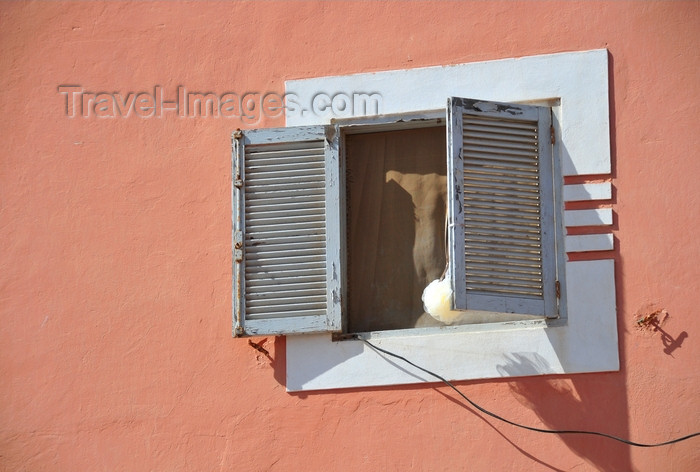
530, 428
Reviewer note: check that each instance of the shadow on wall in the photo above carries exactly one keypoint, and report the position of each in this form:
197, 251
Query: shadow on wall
589, 402
592, 402
279, 362
650, 319
496, 427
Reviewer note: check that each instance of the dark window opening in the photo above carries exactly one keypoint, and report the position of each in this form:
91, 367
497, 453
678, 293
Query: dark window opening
396, 190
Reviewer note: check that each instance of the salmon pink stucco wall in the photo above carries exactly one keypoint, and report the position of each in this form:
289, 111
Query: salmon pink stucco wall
115, 246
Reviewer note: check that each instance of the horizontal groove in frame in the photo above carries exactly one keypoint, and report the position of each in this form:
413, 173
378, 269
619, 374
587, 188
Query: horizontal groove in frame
489, 221
266, 254
587, 192
488, 282
260, 297
512, 213
268, 236
282, 174
524, 232
309, 270
262, 226
299, 180
261, 230
312, 163
289, 283
503, 238
497, 123
289, 313
288, 244
491, 133
285, 148
528, 206
287, 205
525, 264
287, 236
517, 245
260, 162
502, 184
500, 155
503, 280
499, 147
503, 257
594, 217
589, 243
487, 289
494, 172
492, 193
480, 130
533, 271
497, 166
279, 216
280, 305
262, 166
283, 194
263, 262
257, 192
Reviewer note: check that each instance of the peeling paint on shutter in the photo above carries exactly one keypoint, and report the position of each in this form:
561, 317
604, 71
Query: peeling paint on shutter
501, 207
287, 217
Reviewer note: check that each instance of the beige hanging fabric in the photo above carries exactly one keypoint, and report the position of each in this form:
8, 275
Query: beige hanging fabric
396, 190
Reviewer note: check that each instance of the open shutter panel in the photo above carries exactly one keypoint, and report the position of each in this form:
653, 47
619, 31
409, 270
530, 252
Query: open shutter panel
286, 231
501, 207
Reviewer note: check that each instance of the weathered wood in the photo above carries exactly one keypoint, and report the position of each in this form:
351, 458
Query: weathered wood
502, 234
286, 231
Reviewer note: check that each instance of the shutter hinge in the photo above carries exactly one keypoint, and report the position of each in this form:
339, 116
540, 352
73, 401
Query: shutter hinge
557, 288
238, 239
551, 133
238, 255
237, 181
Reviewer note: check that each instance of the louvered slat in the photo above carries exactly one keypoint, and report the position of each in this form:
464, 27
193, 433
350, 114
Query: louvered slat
269, 169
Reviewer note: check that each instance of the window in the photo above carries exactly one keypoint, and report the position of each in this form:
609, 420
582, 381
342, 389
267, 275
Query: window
497, 184
582, 339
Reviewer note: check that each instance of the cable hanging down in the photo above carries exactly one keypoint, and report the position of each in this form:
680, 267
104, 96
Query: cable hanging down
530, 428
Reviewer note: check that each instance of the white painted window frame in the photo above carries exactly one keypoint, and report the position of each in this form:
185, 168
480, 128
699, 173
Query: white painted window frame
586, 340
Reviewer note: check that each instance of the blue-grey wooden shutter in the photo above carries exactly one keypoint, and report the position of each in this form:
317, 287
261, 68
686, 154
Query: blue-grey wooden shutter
286, 231
501, 207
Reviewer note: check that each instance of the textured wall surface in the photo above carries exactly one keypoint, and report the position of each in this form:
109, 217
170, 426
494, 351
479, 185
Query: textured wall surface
115, 268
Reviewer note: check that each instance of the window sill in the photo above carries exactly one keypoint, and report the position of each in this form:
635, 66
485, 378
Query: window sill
585, 342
